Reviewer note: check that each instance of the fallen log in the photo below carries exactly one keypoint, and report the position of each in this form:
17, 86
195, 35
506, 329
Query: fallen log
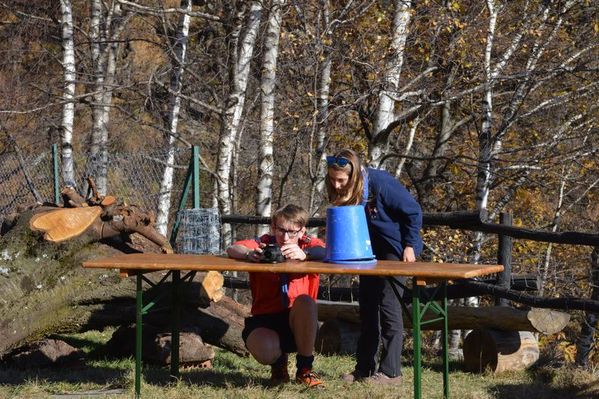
499, 351
543, 321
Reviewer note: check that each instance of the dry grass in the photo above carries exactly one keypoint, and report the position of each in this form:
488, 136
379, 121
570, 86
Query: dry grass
233, 377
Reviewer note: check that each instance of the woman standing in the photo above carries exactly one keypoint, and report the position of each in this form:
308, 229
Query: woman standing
394, 221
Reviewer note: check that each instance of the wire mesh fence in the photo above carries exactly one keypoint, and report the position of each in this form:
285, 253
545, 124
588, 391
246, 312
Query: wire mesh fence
199, 232
132, 177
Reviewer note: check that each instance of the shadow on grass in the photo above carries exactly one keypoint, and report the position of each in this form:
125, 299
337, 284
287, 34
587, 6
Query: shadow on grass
210, 377
542, 391
118, 377
74, 374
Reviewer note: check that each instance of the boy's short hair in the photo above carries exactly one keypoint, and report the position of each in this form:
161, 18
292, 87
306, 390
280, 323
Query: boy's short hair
291, 213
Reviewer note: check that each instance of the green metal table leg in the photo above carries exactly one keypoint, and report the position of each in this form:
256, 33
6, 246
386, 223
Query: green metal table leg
445, 344
417, 342
138, 334
176, 313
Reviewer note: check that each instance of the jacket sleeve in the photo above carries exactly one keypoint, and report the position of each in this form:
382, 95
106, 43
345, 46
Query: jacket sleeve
405, 210
315, 249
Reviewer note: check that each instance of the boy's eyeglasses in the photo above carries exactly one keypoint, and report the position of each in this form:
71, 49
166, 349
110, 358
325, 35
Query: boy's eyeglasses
290, 233
342, 162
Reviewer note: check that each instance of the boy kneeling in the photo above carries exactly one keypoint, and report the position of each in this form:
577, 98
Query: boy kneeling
284, 313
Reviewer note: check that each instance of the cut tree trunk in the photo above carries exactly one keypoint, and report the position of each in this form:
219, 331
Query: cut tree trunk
499, 351
61, 224
544, 321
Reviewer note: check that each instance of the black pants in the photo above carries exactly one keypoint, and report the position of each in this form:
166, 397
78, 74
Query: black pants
278, 322
381, 324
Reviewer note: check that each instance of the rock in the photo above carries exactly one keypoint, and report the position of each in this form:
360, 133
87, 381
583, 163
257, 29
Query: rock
156, 346
45, 353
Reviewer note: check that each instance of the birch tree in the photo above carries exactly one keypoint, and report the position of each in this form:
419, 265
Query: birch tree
267, 92
107, 23
241, 50
178, 61
68, 108
491, 137
485, 142
328, 20
385, 112
318, 140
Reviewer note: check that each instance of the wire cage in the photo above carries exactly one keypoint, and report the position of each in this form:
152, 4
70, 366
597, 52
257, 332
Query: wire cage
199, 231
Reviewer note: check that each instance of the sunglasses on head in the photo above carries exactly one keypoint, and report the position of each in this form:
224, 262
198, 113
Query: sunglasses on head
340, 161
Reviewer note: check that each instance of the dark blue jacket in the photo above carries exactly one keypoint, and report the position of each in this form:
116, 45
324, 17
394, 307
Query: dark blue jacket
394, 217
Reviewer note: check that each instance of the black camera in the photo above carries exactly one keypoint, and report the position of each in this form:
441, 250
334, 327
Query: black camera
272, 254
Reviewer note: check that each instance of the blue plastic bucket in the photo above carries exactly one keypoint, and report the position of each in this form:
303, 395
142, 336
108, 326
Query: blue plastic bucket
347, 238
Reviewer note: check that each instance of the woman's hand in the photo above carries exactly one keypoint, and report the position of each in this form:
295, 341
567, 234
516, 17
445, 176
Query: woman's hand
293, 251
408, 255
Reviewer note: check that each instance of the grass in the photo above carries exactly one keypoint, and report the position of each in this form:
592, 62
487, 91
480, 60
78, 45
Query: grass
233, 377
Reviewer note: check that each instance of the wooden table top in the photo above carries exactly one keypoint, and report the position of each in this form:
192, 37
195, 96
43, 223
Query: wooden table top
153, 262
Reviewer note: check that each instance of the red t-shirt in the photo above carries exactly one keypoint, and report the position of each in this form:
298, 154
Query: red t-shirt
266, 286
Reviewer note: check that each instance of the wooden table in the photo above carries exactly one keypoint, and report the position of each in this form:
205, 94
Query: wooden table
422, 274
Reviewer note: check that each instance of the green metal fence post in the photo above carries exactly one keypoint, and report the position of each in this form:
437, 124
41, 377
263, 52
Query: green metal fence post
193, 177
138, 333
55, 171
195, 159
175, 321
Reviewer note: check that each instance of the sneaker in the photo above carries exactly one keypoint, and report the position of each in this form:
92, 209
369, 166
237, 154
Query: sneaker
279, 374
379, 378
308, 378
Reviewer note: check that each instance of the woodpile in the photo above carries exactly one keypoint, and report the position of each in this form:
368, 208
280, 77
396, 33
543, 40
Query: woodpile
498, 351
502, 338
46, 291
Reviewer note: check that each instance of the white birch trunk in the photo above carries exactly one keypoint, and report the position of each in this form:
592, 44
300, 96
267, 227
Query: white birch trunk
68, 109
485, 143
104, 47
554, 225
321, 122
179, 52
406, 151
385, 113
233, 112
98, 76
267, 91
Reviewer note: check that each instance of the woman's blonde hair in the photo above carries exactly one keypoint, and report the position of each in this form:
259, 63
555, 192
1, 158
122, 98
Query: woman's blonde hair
355, 184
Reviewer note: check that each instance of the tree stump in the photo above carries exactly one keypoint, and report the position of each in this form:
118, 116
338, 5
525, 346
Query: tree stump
499, 351
337, 337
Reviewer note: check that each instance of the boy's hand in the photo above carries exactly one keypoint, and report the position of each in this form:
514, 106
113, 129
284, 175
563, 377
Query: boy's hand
293, 251
255, 255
